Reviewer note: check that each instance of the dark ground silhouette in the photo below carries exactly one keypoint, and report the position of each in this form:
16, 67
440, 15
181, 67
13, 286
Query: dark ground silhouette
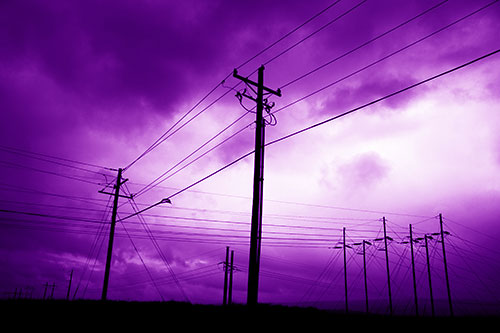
178, 316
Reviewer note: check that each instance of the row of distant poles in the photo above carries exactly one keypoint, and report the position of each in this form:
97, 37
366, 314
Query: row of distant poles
48, 291
411, 240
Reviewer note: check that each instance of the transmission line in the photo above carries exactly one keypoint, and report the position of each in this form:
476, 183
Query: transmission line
363, 44
412, 86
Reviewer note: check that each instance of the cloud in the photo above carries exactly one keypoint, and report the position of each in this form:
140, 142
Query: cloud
363, 171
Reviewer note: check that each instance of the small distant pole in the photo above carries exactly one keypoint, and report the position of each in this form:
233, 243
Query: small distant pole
387, 264
45, 290
364, 272
445, 265
226, 267
345, 271
52, 292
231, 267
426, 237
69, 285
413, 270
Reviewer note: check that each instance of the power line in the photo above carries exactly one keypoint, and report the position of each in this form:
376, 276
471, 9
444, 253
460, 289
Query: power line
386, 57
165, 135
34, 156
15, 165
363, 45
12, 149
152, 184
289, 33
316, 31
319, 124
384, 97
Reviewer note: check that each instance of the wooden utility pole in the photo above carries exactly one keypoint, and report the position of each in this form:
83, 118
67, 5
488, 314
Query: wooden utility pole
231, 269
364, 272
119, 183
445, 264
387, 264
413, 271
226, 271
46, 285
345, 271
426, 237
69, 285
258, 184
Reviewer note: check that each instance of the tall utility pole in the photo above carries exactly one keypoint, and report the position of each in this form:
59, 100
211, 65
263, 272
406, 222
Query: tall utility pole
119, 183
387, 264
69, 285
426, 237
46, 285
413, 271
345, 270
231, 269
258, 183
226, 271
445, 265
364, 272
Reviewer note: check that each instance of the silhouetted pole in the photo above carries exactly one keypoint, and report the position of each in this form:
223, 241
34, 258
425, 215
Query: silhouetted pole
53, 288
111, 236
445, 265
226, 268
258, 186
45, 290
426, 237
387, 264
69, 285
345, 270
364, 272
413, 271
230, 291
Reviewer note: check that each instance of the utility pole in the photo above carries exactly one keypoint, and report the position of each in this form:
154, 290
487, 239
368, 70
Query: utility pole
230, 292
119, 183
413, 270
69, 285
387, 264
46, 285
226, 268
364, 272
53, 288
426, 237
258, 184
445, 264
345, 270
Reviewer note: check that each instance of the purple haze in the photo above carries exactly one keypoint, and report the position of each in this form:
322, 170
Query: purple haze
99, 82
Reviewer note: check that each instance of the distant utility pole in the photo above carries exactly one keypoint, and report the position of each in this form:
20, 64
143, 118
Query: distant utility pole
226, 271
387, 264
364, 271
119, 183
345, 271
46, 285
258, 183
413, 270
69, 285
445, 264
53, 289
426, 237
230, 291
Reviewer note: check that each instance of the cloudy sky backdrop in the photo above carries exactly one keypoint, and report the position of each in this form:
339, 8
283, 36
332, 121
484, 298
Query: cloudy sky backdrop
87, 86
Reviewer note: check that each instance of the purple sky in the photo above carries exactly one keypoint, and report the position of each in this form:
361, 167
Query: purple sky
99, 82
